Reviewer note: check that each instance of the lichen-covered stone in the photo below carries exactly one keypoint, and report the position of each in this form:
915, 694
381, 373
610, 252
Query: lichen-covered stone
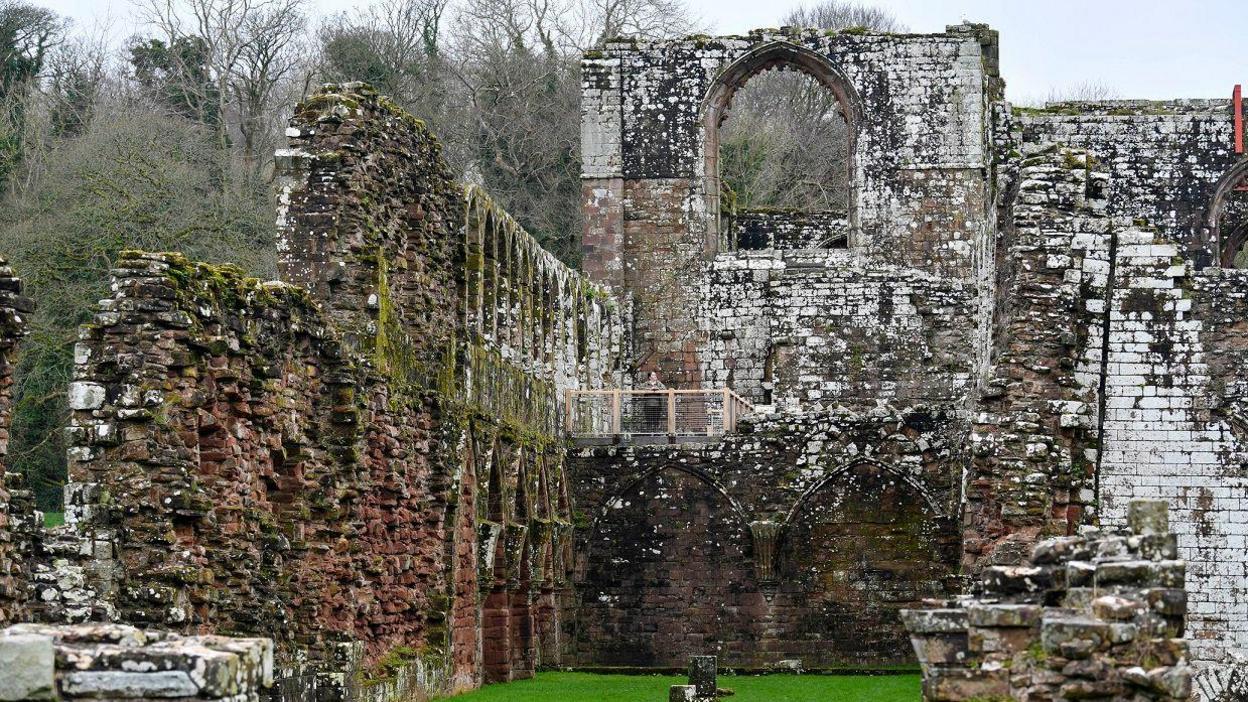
118, 662
1070, 646
313, 459
27, 664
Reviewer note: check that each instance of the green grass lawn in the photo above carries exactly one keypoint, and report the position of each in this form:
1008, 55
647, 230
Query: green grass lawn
53, 519
574, 687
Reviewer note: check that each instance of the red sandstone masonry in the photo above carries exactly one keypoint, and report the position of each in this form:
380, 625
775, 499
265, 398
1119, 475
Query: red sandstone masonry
13, 574
371, 459
1032, 450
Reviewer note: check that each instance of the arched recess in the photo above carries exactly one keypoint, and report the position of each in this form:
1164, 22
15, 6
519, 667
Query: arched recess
858, 546
718, 102
1223, 237
629, 486
668, 573
838, 474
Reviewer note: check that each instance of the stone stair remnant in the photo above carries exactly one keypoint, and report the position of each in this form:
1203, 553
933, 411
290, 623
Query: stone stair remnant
1099, 615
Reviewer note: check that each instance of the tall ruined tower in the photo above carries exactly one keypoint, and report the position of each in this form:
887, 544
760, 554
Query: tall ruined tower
1025, 319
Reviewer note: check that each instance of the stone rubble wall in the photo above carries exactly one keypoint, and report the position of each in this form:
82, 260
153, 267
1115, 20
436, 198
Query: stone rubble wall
118, 662
1171, 363
755, 229
1099, 615
798, 538
814, 330
1032, 452
1164, 159
16, 504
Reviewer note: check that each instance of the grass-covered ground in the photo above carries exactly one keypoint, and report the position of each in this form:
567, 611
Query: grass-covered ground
589, 687
53, 519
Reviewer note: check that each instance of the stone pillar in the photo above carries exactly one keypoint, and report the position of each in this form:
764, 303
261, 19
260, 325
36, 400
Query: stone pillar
766, 537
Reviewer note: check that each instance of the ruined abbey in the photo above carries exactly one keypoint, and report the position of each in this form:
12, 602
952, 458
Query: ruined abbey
433, 456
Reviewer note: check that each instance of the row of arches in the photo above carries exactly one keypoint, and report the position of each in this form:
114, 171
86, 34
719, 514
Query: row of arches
829, 479
512, 543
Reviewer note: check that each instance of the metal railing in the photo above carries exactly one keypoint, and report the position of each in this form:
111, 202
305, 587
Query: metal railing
653, 412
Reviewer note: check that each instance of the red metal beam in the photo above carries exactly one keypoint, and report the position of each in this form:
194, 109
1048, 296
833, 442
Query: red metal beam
1237, 101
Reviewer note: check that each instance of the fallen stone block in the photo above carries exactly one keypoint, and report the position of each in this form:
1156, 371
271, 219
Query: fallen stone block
27, 667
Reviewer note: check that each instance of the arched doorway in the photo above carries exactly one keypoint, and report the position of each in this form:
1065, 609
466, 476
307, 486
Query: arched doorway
668, 575
780, 174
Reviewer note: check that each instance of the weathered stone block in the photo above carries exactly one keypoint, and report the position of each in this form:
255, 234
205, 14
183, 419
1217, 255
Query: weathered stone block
1076, 637
683, 693
935, 621
27, 667
1018, 581
1147, 517
85, 395
1003, 615
120, 684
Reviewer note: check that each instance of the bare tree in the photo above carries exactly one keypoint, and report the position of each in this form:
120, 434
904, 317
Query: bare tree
645, 19
1086, 91
499, 82
27, 34
77, 72
836, 14
265, 62
246, 50
396, 46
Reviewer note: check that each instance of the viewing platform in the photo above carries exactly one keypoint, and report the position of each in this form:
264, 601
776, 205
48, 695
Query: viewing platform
652, 416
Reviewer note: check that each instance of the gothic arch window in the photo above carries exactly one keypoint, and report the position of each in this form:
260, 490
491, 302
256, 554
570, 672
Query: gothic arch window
780, 131
1227, 218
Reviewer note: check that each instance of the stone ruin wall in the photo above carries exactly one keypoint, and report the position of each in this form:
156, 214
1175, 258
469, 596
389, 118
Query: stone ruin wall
1042, 274
800, 537
370, 449
918, 107
1022, 334
1030, 472
1171, 368
16, 507
811, 330
859, 348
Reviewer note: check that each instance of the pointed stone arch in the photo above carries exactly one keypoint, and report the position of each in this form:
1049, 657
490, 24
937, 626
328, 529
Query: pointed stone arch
839, 473
718, 101
1225, 243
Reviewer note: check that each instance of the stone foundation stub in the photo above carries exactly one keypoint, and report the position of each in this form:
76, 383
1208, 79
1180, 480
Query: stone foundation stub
702, 674
683, 693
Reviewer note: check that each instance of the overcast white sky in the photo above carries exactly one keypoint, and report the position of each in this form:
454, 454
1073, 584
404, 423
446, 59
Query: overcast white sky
1143, 48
